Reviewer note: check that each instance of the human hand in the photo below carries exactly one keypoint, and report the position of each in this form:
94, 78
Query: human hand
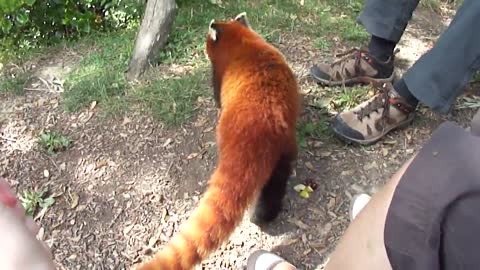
19, 248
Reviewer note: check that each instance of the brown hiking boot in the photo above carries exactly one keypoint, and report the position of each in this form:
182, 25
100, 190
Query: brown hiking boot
370, 121
356, 67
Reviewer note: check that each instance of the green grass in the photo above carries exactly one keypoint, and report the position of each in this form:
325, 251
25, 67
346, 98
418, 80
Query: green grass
436, 5
348, 98
15, 84
99, 76
312, 130
172, 100
433, 4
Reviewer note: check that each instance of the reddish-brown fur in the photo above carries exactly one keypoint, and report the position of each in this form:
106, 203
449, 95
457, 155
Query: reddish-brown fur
260, 105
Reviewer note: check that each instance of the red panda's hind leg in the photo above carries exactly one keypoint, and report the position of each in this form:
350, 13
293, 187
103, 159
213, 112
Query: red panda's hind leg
269, 203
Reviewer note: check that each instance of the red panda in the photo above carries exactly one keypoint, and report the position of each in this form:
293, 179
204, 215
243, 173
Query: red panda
260, 102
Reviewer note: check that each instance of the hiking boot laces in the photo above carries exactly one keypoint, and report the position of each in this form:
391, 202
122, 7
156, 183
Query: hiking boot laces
355, 54
383, 100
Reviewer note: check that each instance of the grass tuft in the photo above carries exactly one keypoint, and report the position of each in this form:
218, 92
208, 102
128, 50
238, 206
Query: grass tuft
172, 100
16, 84
349, 98
53, 142
312, 130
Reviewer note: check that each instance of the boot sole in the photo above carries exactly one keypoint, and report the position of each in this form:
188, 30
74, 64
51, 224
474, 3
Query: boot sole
353, 81
349, 140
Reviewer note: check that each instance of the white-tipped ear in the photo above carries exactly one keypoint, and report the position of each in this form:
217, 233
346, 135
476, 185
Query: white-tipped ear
211, 31
242, 18
243, 14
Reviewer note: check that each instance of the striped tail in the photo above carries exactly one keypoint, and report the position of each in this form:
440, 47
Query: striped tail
219, 212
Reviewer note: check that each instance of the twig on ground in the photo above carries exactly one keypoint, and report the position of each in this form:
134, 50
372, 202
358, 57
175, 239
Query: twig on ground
7, 138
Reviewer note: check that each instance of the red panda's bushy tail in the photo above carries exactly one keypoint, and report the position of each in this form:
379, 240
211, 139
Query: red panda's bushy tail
232, 188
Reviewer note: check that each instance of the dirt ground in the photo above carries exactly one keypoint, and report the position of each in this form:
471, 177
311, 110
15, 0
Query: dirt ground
126, 184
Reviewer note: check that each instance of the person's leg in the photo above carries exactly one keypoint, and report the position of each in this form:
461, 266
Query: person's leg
386, 21
363, 242
441, 74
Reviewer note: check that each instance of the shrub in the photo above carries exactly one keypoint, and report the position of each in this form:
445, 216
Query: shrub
29, 22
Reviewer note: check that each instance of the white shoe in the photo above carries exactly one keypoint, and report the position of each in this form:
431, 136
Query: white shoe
357, 204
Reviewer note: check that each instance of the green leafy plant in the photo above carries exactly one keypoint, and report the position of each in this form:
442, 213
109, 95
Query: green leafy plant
53, 20
32, 199
54, 142
316, 130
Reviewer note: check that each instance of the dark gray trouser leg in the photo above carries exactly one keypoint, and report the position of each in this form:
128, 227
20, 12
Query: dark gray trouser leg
441, 74
387, 19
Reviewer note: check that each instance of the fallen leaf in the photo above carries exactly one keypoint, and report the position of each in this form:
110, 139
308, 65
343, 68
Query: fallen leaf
300, 224
100, 164
89, 168
309, 165
76, 239
164, 217
75, 200
370, 166
167, 142
357, 188
325, 154
425, 131
289, 242
152, 241
192, 155
318, 244
304, 238
200, 122
331, 203
126, 121
127, 229
93, 104
208, 130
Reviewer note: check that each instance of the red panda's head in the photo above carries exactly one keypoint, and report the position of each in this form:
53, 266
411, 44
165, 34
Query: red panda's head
224, 36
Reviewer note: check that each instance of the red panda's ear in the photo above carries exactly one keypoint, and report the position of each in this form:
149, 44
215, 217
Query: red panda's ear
242, 18
212, 32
